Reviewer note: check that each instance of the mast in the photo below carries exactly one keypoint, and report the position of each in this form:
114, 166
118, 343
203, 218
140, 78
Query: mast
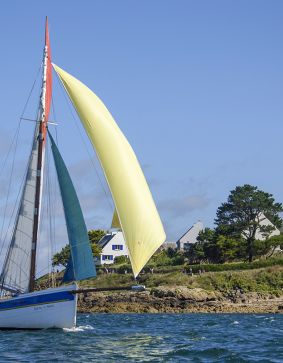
44, 108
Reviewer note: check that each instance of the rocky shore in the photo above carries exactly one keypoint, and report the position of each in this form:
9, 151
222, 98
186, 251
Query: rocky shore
179, 300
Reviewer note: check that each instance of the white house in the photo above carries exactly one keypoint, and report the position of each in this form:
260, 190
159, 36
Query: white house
266, 222
190, 236
263, 221
113, 245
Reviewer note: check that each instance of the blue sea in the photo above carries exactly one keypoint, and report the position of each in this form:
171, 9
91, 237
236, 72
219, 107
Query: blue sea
151, 338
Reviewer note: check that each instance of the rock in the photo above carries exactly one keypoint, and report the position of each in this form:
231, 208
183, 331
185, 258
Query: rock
184, 293
178, 299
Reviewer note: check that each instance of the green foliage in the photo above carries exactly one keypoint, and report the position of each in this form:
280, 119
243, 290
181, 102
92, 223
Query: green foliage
227, 249
121, 260
95, 235
276, 241
166, 257
110, 280
231, 266
160, 259
96, 249
196, 252
241, 215
174, 278
265, 281
236, 265
120, 269
171, 252
207, 235
268, 246
62, 257
215, 248
238, 220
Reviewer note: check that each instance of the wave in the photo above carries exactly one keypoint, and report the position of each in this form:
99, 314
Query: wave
78, 328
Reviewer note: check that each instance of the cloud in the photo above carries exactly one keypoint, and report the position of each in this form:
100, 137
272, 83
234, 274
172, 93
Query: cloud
183, 205
175, 213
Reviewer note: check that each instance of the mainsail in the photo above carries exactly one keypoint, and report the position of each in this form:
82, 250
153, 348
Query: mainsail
15, 274
81, 265
139, 219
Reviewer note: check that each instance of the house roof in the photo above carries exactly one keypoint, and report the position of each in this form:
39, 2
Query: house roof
192, 232
104, 240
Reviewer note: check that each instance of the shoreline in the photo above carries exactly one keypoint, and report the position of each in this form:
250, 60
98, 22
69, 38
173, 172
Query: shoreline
179, 300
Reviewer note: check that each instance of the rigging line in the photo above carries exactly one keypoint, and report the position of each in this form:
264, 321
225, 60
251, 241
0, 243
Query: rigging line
15, 139
32, 88
54, 185
3, 242
47, 195
44, 269
9, 184
109, 200
49, 208
27, 279
22, 183
55, 204
13, 212
9, 150
46, 216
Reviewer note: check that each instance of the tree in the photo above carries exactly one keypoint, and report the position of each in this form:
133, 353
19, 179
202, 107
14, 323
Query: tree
95, 235
268, 246
242, 214
62, 257
207, 245
227, 248
215, 248
196, 253
206, 235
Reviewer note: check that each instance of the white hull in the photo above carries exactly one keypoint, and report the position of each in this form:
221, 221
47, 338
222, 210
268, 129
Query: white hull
51, 308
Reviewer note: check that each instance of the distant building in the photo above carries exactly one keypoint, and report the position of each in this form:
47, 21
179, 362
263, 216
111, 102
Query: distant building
262, 236
266, 222
168, 244
263, 221
190, 236
113, 245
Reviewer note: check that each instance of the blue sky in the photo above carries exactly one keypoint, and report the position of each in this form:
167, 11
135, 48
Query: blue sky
196, 86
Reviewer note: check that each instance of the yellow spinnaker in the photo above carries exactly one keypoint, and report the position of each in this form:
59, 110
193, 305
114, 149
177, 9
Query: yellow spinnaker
140, 221
115, 220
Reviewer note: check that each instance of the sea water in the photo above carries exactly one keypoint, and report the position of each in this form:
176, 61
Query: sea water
151, 338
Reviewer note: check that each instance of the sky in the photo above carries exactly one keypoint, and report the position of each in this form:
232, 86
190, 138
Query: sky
196, 87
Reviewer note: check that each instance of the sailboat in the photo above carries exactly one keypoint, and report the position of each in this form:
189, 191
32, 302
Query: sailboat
21, 305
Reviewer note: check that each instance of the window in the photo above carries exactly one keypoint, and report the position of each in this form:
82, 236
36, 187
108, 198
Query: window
107, 257
117, 247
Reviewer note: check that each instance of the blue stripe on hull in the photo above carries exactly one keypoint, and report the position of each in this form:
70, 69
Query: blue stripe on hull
17, 303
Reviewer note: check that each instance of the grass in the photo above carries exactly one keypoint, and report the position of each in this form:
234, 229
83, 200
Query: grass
263, 276
265, 280
231, 266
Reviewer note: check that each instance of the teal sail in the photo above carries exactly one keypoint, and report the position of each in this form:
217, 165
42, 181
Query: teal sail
81, 264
